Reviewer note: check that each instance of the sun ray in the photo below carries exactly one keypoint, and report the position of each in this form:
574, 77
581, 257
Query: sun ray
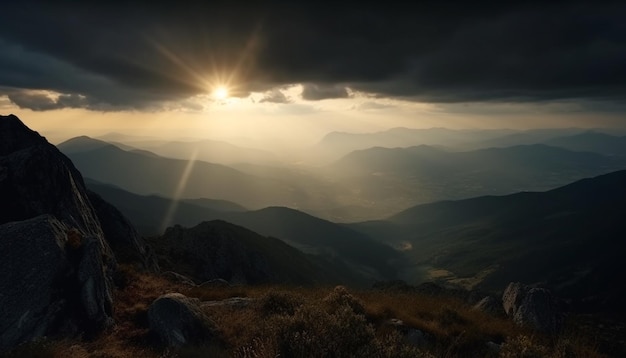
178, 193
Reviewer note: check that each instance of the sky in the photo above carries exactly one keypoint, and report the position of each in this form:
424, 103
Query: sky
293, 71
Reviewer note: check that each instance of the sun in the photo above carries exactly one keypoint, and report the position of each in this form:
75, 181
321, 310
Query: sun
220, 92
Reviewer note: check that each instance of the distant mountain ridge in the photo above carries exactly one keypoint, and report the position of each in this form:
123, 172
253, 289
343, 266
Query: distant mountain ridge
592, 141
151, 214
305, 232
336, 144
221, 250
569, 238
147, 173
397, 178
209, 150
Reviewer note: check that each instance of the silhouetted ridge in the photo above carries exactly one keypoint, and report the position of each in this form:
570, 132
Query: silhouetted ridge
221, 250
15, 135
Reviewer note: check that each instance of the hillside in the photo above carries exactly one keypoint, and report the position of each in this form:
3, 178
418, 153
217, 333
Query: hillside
220, 250
209, 151
591, 141
152, 214
568, 238
393, 179
146, 173
322, 237
353, 253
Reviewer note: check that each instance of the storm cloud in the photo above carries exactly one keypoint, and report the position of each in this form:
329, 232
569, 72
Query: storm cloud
110, 57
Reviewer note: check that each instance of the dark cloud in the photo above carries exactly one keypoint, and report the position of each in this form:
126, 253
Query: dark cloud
113, 56
44, 102
313, 92
275, 96
36, 102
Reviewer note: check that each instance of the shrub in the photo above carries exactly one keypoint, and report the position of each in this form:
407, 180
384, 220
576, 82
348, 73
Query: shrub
340, 297
314, 332
281, 303
522, 347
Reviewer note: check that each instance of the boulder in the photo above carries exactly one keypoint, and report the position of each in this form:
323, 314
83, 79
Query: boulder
235, 302
493, 348
512, 297
50, 280
490, 305
533, 307
412, 336
177, 320
215, 283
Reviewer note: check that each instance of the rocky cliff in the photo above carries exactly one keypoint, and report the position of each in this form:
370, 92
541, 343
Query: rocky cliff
56, 265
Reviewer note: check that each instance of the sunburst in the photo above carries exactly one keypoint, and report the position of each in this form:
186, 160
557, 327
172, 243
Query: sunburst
220, 92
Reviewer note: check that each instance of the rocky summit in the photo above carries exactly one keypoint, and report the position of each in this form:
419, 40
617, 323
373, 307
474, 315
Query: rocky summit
56, 265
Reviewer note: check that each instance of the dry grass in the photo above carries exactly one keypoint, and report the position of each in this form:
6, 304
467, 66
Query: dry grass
313, 321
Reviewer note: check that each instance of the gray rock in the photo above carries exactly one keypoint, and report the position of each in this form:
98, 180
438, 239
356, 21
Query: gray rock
178, 320
238, 302
32, 262
493, 348
50, 280
533, 307
95, 290
512, 297
412, 336
216, 283
490, 305
416, 338
178, 278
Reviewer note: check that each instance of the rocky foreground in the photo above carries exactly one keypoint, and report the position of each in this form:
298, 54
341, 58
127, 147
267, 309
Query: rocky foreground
57, 265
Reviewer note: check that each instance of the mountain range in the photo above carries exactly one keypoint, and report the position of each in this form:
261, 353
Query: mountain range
364, 184
569, 239
393, 179
153, 214
137, 170
483, 242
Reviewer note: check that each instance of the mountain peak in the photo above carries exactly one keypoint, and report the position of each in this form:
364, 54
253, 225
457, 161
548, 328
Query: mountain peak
81, 144
15, 135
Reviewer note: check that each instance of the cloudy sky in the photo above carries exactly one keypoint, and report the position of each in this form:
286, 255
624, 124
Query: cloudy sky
311, 67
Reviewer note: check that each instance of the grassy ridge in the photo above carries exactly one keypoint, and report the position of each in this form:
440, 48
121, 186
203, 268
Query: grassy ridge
316, 322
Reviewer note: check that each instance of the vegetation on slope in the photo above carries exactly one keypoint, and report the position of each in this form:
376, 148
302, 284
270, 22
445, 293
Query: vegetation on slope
314, 322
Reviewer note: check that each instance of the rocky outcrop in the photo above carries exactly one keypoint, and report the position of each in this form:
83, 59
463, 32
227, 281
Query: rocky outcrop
233, 302
216, 283
177, 320
124, 240
490, 305
533, 307
52, 281
56, 267
35, 179
411, 336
